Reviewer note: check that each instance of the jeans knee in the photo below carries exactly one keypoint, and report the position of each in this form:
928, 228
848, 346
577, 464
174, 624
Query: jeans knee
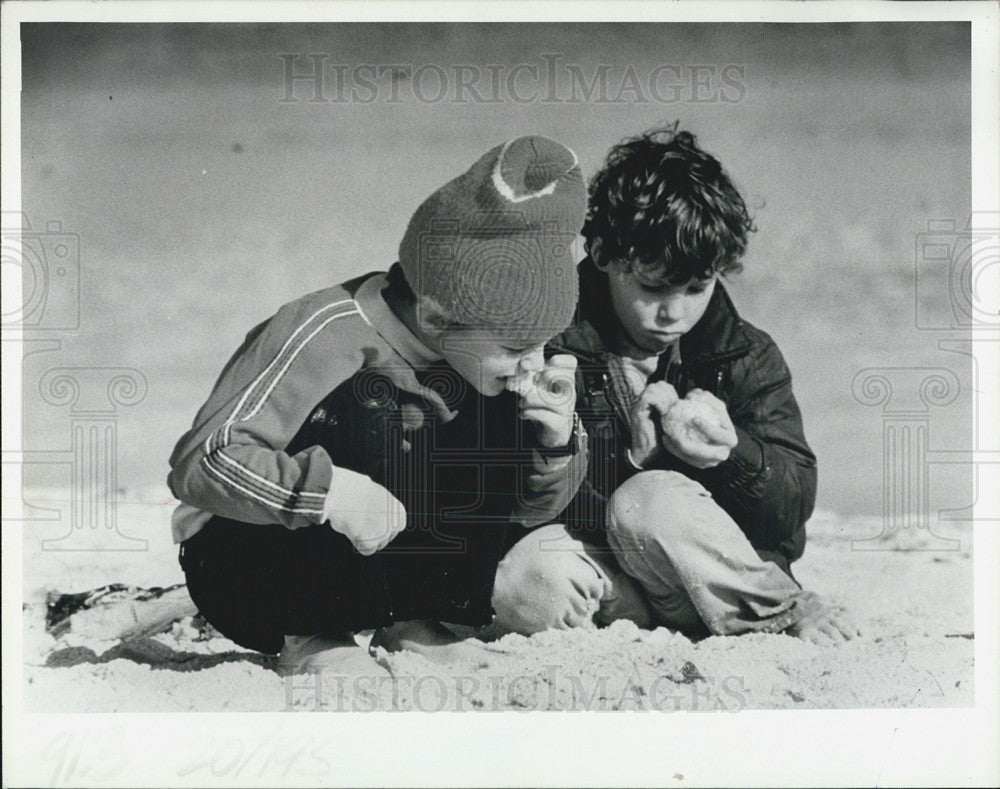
537, 590
654, 504
526, 598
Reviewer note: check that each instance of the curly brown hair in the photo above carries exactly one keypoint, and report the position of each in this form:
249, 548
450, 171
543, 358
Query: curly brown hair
666, 208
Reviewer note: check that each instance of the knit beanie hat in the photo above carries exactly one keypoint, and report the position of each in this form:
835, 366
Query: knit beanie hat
492, 248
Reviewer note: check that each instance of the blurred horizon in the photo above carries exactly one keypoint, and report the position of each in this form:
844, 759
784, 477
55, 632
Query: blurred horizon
203, 202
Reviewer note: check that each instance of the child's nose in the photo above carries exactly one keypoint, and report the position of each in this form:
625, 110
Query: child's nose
671, 310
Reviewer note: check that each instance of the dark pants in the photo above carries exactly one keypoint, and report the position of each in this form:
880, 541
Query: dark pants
256, 584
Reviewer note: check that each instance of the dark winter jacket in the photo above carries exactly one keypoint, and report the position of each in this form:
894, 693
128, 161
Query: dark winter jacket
768, 483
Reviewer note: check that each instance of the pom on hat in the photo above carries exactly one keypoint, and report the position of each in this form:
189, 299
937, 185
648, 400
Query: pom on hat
493, 248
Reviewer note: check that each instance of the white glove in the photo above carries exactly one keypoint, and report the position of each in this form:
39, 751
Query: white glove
363, 511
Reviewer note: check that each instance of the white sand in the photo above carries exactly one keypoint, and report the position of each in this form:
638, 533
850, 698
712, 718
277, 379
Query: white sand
915, 608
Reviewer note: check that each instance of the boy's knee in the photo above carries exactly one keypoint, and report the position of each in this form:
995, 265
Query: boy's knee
654, 504
539, 588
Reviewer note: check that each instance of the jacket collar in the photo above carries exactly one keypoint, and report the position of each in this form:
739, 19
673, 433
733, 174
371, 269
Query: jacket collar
719, 335
374, 309
393, 350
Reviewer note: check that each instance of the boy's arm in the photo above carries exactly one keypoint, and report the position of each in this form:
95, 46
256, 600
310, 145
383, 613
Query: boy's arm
768, 483
232, 462
549, 483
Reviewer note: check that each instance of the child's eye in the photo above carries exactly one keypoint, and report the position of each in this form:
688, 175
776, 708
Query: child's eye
513, 351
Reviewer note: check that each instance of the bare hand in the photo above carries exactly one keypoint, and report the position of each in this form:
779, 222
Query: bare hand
654, 401
698, 430
549, 399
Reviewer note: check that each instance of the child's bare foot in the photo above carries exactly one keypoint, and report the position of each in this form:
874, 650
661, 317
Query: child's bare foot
337, 653
822, 624
430, 639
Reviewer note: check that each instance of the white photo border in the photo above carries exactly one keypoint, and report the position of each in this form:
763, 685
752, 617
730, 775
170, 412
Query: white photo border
779, 748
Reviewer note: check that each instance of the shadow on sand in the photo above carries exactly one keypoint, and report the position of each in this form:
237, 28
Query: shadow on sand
157, 655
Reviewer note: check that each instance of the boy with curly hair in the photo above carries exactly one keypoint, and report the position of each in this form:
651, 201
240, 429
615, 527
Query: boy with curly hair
700, 478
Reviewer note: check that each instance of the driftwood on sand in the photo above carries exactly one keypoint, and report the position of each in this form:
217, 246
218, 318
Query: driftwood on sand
117, 611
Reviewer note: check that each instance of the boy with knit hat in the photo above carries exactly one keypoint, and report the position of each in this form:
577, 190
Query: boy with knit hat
700, 479
362, 455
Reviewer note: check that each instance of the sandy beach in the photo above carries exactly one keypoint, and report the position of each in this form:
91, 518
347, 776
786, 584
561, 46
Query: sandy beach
911, 597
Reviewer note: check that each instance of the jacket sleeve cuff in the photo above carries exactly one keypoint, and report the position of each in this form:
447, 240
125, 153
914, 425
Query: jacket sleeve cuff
746, 461
631, 460
546, 459
570, 448
320, 478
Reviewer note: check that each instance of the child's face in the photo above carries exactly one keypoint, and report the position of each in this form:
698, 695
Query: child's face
491, 365
653, 316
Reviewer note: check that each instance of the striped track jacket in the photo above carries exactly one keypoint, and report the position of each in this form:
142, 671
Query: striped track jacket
233, 463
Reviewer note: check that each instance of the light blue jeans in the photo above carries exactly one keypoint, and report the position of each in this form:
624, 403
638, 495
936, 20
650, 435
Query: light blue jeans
676, 559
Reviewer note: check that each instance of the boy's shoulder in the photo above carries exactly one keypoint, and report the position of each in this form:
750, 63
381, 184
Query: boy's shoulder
723, 336
326, 324
342, 293
321, 308
723, 333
